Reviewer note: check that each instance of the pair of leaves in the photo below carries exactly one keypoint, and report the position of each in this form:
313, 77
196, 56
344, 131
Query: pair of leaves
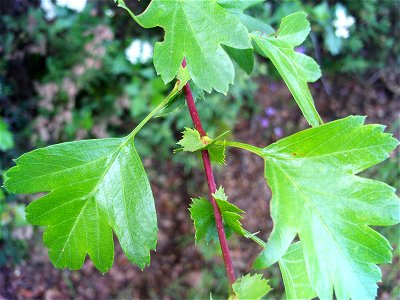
317, 195
192, 141
94, 187
202, 214
201, 211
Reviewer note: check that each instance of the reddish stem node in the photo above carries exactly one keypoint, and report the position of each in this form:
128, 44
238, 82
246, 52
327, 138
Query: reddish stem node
211, 186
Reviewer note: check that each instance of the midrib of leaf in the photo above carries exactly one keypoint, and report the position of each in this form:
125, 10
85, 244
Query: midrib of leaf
310, 203
72, 168
342, 197
308, 137
126, 216
288, 61
194, 34
289, 158
285, 271
287, 25
70, 233
91, 194
173, 32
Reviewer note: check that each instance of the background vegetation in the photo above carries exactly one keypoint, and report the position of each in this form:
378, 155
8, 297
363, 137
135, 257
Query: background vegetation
72, 71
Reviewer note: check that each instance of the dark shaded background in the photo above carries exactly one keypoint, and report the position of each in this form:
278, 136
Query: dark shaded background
68, 78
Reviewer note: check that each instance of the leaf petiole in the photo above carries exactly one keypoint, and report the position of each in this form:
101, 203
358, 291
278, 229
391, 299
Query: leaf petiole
254, 238
244, 146
170, 96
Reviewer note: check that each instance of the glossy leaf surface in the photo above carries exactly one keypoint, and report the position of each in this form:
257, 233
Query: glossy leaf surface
94, 187
317, 195
295, 68
195, 30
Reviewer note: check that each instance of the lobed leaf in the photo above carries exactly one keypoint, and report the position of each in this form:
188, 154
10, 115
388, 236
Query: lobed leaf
251, 287
195, 30
296, 69
192, 141
94, 187
317, 195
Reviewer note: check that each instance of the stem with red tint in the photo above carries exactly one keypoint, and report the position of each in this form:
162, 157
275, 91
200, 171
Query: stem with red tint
211, 186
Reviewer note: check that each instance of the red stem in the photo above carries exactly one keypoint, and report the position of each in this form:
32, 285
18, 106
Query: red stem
211, 186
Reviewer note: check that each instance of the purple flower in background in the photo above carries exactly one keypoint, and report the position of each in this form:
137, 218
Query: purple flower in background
273, 86
278, 131
301, 49
264, 122
270, 111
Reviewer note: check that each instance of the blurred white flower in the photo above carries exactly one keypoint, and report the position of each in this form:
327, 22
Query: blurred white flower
49, 9
342, 32
77, 5
139, 51
109, 13
342, 22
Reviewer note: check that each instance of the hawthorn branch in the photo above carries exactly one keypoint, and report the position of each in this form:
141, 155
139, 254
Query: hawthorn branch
211, 185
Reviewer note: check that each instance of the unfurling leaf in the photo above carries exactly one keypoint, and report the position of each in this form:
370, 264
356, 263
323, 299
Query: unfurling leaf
317, 195
202, 214
192, 141
94, 187
294, 274
295, 68
195, 30
252, 287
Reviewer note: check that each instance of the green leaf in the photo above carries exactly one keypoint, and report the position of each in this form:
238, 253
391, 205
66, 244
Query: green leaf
6, 137
177, 102
294, 274
294, 29
192, 141
230, 212
202, 214
251, 287
317, 195
252, 24
183, 77
94, 187
239, 4
195, 30
243, 57
296, 69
